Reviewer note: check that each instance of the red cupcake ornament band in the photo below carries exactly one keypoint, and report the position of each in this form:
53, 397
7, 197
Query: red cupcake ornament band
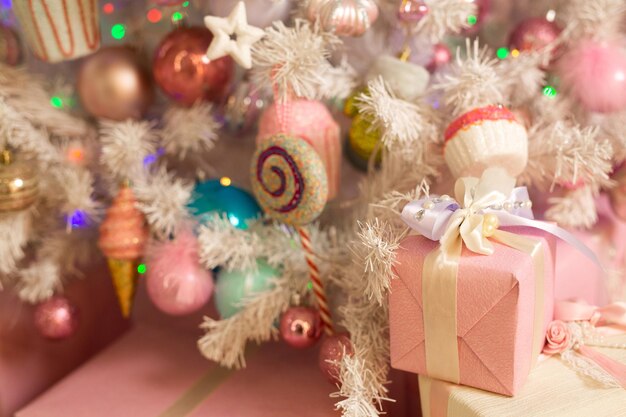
486, 137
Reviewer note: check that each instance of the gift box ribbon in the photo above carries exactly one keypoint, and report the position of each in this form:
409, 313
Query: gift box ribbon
492, 197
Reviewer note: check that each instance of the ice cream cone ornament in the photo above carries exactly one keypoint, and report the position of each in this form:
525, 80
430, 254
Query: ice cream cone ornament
123, 236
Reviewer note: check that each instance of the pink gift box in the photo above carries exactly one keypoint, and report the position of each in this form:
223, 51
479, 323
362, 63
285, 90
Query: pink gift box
158, 371
495, 312
29, 363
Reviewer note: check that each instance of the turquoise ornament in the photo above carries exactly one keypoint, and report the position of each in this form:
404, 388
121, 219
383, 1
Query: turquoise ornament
233, 286
220, 196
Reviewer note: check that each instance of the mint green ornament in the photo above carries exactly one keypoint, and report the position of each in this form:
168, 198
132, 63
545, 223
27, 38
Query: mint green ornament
233, 286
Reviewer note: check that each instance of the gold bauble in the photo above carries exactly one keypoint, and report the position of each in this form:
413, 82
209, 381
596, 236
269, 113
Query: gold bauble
362, 140
19, 186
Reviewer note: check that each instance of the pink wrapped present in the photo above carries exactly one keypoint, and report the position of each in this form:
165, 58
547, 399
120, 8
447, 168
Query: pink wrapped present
29, 363
158, 371
311, 121
472, 300
503, 305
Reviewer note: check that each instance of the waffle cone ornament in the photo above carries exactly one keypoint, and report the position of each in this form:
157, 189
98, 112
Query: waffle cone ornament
123, 236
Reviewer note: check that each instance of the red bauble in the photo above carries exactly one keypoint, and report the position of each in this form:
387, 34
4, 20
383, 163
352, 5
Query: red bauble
441, 57
301, 327
331, 352
183, 71
56, 318
533, 34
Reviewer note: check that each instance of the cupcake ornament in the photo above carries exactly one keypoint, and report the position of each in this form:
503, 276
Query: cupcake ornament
486, 137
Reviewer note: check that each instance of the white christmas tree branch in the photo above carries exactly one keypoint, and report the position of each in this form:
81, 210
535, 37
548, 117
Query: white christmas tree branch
189, 130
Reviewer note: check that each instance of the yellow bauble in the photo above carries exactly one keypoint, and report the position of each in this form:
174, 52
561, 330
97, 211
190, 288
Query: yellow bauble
350, 107
363, 139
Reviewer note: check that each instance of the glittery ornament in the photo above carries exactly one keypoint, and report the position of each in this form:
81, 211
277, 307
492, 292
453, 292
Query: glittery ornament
10, 50
332, 350
59, 30
113, 85
441, 57
412, 11
221, 197
595, 74
243, 107
183, 71
533, 34
234, 286
617, 194
311, 121
486, 137
123, 235
344, 17
301, 327
289, 180
176, 282
56, 318
19, 185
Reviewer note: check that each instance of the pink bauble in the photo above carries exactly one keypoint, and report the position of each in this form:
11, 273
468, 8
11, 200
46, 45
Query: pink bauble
441, 57
183, 71
412, 11
595, 73
533, 34
331, 352
56, 318
301, 327
176, 282
311, 121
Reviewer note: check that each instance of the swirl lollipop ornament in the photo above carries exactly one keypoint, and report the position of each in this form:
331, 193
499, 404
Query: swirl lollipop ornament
289, 181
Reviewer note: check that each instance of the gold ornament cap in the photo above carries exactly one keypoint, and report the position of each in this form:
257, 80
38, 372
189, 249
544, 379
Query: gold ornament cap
19, 185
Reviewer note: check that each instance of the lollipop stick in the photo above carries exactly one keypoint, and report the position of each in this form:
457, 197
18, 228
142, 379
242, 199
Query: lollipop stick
318, 287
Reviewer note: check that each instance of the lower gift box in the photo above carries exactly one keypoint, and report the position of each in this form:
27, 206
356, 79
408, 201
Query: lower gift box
553, 389
154, 371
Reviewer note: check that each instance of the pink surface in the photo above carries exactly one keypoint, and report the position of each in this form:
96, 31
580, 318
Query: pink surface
495, 312
311, 121
150, 368
29, 363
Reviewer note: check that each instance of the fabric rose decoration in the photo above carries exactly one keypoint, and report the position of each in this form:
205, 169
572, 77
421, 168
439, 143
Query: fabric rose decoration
558, 337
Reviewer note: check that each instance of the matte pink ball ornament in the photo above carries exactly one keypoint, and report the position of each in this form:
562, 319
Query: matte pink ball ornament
56, 318
595, 73
441, 57
301, 327
332, 351
176, 282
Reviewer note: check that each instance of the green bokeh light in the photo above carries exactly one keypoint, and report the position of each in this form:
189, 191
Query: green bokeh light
502, 53
176, 16
186, 4
549, 91
118, 31
56, 102
472, 20
141, 268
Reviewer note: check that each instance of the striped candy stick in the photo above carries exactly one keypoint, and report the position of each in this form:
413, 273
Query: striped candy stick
318, 286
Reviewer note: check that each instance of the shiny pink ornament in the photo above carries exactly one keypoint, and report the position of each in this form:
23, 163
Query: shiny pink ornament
311, 121
344, 17
56, 318
595, 73
412, 11
533, 34
332, 350
301, 327
183, 71
441, 56
176, 282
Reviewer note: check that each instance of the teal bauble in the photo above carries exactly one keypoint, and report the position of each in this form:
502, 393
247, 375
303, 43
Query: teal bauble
220, 196
233, 286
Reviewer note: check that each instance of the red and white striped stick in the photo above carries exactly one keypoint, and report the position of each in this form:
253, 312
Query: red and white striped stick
318, 287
